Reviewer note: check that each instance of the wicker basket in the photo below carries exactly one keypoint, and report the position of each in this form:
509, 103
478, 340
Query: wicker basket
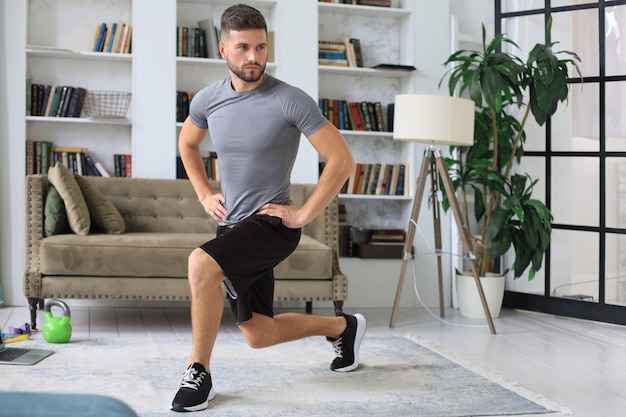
107, 104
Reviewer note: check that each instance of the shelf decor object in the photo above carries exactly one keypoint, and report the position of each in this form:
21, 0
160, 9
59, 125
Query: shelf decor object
435, 120
107, 104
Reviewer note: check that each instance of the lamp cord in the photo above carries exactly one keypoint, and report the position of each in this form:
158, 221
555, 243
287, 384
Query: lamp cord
438, 253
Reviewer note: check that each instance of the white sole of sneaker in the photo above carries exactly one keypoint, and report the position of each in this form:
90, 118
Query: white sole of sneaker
200, 406
361, 325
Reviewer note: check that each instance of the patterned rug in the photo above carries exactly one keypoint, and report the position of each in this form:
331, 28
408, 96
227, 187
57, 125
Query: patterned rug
397, 377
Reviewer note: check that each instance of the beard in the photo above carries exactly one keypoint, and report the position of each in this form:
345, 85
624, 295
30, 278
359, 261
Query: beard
247, 75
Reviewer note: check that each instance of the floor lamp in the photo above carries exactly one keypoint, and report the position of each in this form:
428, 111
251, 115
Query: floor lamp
435, 120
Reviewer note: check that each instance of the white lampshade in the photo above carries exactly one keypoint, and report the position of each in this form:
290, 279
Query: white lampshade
442, 120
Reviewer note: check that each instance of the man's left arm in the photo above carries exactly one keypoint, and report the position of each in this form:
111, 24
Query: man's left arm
331, 146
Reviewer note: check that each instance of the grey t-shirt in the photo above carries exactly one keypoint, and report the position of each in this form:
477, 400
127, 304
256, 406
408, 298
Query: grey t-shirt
256, 136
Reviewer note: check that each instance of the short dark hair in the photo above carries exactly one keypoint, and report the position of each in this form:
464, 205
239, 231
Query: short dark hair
241, 17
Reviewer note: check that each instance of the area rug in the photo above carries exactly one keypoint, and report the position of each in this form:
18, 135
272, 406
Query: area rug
397, 377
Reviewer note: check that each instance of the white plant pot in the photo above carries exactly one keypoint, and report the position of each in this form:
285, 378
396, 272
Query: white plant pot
469, 301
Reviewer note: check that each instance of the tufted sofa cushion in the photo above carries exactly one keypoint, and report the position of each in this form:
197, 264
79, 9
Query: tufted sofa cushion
159, 255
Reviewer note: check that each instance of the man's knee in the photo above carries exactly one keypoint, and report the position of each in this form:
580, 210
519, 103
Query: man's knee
202, 266
256, 340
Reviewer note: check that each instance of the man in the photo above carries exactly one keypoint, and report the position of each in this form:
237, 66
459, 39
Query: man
255, 123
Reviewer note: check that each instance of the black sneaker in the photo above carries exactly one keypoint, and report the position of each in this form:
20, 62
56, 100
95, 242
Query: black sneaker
196, 390
347, 346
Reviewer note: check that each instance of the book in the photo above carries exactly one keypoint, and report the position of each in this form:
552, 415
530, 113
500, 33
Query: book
102, 169
378, 111
363, 106
66, 101
210, 33
350, 54
43, 103
92, 170
108, 37
30, 157
387, 235
336, 46
76, 103
100, 32
53, 89
55, 101
378, 3
357, 119
373, 178
358, 55
61, 101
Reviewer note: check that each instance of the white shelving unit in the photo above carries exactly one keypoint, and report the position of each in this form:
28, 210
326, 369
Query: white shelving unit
386, 36
61, 56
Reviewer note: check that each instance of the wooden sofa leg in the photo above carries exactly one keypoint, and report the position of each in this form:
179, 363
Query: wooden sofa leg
338, 307
33, 303
309, 307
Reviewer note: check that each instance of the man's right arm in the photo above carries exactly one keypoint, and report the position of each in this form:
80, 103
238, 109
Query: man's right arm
189, 148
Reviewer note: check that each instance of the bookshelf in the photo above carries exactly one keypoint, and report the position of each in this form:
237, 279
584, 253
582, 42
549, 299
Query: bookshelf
386, 36
153, 74
62, 56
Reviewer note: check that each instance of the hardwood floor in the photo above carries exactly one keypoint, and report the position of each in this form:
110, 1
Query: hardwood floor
579, 365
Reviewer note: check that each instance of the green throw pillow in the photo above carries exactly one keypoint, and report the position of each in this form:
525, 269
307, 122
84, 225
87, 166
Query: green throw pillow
75, 205
54, 216
104, 215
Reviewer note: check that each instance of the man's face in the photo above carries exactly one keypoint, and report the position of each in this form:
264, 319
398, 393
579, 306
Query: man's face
245, 53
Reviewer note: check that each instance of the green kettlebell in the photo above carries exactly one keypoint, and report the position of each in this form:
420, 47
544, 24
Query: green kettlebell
57, 329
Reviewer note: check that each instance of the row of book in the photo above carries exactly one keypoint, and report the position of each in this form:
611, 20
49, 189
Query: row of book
112, 37
359, 242
378, 179
346, 53
183, 99
351, 115
199, 42
41, 155
55, 100
210, 165
379, 3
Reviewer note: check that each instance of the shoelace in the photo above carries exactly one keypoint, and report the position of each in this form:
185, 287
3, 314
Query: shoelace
338, 347
192, 379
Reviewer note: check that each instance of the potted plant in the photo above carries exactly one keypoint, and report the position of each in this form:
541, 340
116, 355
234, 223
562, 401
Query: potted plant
503, 85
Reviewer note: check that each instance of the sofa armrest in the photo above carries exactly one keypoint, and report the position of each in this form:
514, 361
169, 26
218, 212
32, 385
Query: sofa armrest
325, 228
36, 190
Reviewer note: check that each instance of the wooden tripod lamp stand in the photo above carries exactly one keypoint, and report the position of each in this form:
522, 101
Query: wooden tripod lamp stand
435, 120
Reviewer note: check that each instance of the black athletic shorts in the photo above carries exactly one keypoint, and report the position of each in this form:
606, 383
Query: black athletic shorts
248, 253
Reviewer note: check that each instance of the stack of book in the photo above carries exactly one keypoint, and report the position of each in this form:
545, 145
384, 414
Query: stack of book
55, 100
378, 243
352, 115
378, 179
346, 53
112, 37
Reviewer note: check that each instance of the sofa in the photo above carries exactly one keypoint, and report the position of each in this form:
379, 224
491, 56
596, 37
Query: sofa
138, 237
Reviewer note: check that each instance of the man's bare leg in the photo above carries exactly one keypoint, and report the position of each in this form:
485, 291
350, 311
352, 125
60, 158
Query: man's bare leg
207, 307
345, 333
263, 331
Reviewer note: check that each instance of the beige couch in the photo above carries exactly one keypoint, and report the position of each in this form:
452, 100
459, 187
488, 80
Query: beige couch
148, 261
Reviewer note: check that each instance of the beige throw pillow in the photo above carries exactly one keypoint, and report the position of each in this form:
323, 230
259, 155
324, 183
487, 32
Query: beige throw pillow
104, 215
75, 206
